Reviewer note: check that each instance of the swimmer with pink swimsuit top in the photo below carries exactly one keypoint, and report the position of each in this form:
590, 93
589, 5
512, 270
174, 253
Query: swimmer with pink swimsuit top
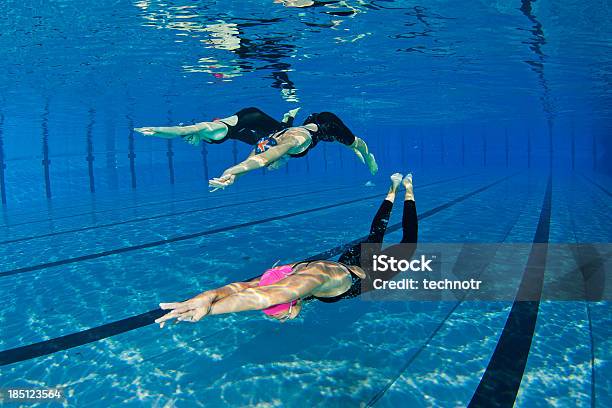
281, 291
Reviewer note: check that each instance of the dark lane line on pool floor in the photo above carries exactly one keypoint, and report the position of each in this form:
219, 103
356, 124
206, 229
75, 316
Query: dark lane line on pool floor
197, 210
180, 238
596, 184
154, 217
500, 383
93, 200
107, 330
146, 204
460, 264
589, 261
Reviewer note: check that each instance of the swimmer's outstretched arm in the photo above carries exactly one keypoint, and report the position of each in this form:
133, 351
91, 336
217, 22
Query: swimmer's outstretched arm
253, 162
262, 297
251, 298
193, 134
257, 161
204, 301
230, 289
249, 118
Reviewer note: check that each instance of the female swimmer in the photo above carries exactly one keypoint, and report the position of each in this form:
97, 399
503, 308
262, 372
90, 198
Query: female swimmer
280, 292
274, 142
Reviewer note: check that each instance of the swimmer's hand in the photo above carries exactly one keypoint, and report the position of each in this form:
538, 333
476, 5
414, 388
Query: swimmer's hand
192, 310
147, 131
193, 139
221, 182
191, 134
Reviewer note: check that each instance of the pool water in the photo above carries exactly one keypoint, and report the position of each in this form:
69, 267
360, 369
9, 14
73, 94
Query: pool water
500, 111
344, 354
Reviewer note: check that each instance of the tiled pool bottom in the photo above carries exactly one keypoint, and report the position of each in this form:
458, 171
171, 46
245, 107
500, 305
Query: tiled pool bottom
71, 272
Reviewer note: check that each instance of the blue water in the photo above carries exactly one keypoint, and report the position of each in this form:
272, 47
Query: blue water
500, 110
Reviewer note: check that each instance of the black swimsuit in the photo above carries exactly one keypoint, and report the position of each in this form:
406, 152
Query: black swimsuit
330, 128
252, 124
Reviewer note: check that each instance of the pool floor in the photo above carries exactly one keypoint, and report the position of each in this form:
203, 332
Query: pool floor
70, 270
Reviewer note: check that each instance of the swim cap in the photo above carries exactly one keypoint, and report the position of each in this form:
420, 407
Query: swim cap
271, 276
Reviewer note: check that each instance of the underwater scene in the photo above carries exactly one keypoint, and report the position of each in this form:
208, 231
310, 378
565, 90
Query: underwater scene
289, 203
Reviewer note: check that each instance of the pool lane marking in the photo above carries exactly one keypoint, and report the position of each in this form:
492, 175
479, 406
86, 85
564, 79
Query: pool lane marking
580, 258
500, 383
141, 219
199, 197
151, 244
172, 214
596, 184
378, 395
107, 330
153, 203
152, 194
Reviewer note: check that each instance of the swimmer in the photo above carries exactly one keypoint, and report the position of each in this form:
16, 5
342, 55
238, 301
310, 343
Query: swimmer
281, 291
274, 142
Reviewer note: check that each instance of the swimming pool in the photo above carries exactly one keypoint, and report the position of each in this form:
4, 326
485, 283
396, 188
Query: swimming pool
506, 133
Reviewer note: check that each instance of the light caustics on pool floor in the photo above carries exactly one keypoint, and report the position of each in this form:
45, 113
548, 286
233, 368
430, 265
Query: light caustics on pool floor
78, 316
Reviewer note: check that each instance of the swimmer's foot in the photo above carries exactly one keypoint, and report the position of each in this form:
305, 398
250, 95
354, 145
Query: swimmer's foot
407, 183
396, 180
361, 150
370, 161
290, 116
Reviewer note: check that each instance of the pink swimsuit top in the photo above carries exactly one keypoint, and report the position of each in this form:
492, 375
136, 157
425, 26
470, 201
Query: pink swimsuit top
274, 275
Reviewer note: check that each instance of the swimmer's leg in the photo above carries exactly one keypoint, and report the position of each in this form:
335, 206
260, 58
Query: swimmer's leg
379, 224
410, 220
352, 256
410, 227
251, 124
332, 125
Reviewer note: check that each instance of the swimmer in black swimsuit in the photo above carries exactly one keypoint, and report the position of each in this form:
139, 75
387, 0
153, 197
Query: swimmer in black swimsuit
273, 141
280, 291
